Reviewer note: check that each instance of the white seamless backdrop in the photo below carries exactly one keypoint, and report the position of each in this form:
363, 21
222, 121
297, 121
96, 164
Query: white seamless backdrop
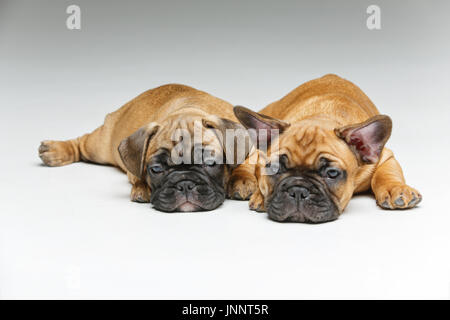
71, 232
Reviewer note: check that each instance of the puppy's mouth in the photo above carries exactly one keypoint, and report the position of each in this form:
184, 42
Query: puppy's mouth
188, 207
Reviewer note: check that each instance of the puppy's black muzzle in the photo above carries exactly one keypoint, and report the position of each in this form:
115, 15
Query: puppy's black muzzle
301, 199
187, 190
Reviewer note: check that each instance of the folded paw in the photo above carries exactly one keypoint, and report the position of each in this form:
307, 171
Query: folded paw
241, 187
256, 202
140, 193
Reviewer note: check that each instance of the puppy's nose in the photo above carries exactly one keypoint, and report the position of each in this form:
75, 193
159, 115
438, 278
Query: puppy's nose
298, 192
185, 185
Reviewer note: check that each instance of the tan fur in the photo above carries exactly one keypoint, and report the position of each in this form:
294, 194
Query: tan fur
314, 110
171, 106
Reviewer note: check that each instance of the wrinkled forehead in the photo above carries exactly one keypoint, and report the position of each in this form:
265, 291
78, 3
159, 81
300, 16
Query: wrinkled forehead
184, 134
304, 145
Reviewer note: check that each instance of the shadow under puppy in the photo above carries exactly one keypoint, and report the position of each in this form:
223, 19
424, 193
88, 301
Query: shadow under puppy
330, 145
151, 139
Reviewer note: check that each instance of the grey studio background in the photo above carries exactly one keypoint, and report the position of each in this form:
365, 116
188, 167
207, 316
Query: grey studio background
71, 232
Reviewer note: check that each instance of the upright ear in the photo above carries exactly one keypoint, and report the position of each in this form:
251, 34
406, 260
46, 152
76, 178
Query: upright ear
367, 139
233, 136
133, 149
260, 122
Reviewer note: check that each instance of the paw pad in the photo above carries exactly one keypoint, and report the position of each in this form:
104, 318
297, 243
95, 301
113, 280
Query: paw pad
399, 202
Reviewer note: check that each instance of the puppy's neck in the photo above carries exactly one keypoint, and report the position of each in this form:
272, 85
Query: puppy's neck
193, 111
320, 120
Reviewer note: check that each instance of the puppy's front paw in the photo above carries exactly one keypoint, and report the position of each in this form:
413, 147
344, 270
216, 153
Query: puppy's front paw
399, 196
140, 193
256, 202
242, 187
56, 153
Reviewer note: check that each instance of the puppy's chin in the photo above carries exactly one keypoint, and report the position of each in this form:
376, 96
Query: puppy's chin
303, 217
189, 204
188, 207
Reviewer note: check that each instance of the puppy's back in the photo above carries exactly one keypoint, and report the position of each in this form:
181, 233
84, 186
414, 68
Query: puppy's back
328, 87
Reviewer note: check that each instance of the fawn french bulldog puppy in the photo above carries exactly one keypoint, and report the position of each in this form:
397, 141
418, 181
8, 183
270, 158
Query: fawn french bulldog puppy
330, 145
147, 139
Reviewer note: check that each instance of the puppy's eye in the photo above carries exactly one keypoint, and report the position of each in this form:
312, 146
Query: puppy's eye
157, 168
332, 173
272, 168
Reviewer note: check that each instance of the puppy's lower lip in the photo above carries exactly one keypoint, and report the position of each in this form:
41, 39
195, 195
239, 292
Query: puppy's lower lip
188, 207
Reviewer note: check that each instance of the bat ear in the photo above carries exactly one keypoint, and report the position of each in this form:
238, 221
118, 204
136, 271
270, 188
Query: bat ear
260, 122
132, 150
367, 139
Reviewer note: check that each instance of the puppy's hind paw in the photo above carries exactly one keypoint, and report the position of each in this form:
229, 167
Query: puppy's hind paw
56, 153
399, 196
